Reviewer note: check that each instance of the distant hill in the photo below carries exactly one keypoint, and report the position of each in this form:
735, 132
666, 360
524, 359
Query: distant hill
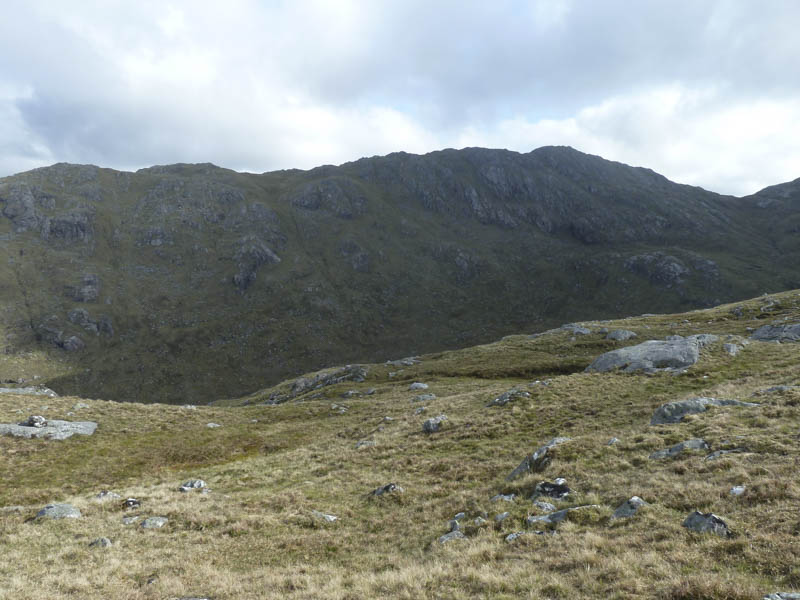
192, 279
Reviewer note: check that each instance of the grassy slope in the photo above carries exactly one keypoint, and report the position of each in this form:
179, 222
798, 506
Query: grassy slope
254, 536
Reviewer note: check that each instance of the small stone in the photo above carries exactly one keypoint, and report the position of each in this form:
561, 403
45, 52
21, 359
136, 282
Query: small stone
782, 596
35, 421
738, 490
79, 406
213, 425
192, 484
544, 506
454, 525
102, 542
388, 419
453, 535
558, 516
460, 516
364, 444
434, 424
674, 412
502, 497
371, 391
612, 441
502, 517
621, 335
693, 444
59, 511
324, 517
516, 535
536, 461
420, 410
732, 349
628, 508
154, 522
706, 523
424, 398
106, 495
417, 386
129, 503
560, 481
389, 488
129, 520
479, 521
719, 453
509, 396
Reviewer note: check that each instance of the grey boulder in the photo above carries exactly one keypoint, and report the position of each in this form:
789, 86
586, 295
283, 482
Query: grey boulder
538, 460
434, 424
693, 444
192, 484
672, 354
453, 535
59, 511
706, 523
102, 542
154, 522
621, 335
673, 412
558, 516
389, 488
508, 396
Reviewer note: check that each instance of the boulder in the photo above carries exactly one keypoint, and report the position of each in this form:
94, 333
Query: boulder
628, 508
192, 484
102, 542
732, 349
706, 523
434, 424
538, 460
738, 490
502, 497
621, 335
59, 511
364, 444
673, 412
671, 354
53, 430
777, 333
424, 398
324, 517
34, 421
417, 385
693, 444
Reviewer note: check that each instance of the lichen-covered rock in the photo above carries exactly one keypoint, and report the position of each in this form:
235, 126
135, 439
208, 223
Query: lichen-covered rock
538, 460
673, 412
706, 523
693, 444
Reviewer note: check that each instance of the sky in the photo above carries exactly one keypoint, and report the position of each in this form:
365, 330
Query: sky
705, 92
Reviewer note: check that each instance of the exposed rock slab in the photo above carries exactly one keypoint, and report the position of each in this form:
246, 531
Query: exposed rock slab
59, 511
54, 430
777, 333
673, 412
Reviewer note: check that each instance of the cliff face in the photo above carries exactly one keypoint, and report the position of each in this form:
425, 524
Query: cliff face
174, 280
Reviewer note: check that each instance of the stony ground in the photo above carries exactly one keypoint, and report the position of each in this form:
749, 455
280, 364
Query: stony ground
278, 474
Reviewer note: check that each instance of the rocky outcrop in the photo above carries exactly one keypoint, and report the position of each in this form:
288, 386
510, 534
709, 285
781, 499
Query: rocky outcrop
338, 196
777, 333
251, 255
88, 290
302, 385
659, 268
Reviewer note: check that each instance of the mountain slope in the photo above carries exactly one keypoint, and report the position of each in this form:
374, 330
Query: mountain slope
276, 470
185, 279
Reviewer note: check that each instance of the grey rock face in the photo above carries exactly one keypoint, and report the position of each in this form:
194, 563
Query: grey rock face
706, 523
102, 542
251, 255
53, 430
693, 444
509, 396
537, 461
621, 335
59, 511
154, 522
652, 355
453, 535
628, 508
551, 490
558, 516
434, 424
673, 412
777, 333
338, 196
389, 488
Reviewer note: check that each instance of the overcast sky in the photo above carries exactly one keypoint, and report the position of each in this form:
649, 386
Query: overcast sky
704, 92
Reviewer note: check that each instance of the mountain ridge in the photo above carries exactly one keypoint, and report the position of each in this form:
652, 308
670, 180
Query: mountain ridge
157, 283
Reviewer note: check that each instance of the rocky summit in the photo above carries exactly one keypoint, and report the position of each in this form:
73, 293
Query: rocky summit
185, 280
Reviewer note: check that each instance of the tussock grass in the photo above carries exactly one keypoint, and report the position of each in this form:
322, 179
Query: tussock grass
255, 535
